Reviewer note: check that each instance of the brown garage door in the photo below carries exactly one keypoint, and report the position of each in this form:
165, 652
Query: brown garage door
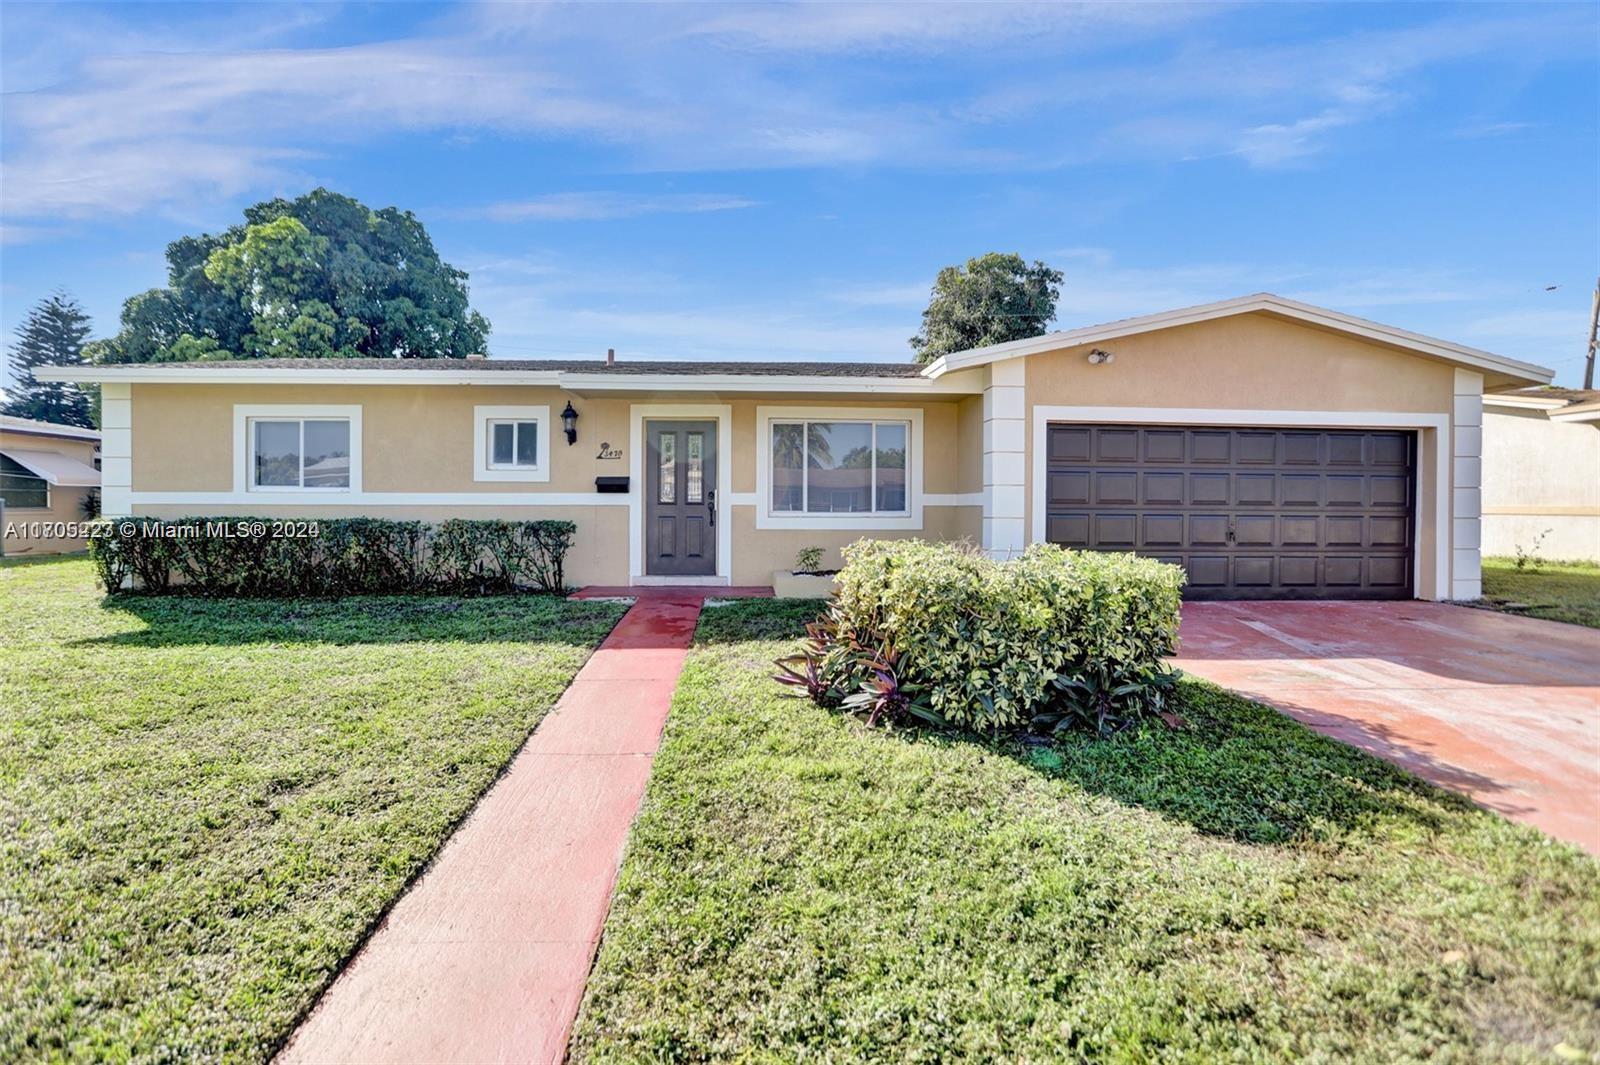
1249, 513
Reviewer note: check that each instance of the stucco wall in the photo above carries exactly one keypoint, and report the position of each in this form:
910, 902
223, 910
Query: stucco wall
1540, 478
66, 504
418, 440
1259, 362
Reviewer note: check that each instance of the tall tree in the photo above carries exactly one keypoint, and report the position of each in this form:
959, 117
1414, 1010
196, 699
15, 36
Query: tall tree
51, 335
993, 299
319, 276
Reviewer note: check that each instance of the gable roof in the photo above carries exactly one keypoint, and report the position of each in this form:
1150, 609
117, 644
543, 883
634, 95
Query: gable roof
1260, 302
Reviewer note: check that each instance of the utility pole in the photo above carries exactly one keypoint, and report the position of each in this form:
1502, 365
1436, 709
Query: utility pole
1594, 328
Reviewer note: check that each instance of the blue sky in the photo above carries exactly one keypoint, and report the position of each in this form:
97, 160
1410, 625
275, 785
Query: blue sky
784, 181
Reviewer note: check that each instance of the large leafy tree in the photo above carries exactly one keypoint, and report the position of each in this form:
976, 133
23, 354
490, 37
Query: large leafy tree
51, 335
993, 299
320, 276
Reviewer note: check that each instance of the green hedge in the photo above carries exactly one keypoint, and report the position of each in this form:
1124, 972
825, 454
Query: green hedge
989, 645
320, 557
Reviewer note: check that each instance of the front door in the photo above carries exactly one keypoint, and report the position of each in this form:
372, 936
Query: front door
681, 499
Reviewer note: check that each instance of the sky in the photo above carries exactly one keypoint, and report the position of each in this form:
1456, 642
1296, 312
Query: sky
784, 181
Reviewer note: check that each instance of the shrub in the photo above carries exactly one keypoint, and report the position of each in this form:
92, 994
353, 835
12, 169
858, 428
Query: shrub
259, 557
985, 642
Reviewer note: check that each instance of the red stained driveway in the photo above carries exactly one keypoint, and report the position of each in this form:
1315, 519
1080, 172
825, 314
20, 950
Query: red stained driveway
1503, 709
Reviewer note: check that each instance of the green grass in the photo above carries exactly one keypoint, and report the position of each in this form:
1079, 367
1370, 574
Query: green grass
1555, 591
800, 888
205, 805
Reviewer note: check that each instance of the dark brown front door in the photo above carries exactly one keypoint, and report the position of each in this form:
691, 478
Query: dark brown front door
681, 499
1249, 513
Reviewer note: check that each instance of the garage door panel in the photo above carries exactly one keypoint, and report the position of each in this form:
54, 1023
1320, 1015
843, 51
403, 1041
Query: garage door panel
1247, 512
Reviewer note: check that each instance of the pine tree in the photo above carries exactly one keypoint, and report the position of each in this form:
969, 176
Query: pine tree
51, 335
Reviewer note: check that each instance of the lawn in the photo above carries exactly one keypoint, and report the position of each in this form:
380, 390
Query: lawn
207, 804
800, 888
1556, 591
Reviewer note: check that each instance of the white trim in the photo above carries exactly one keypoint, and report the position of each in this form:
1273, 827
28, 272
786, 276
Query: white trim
383, 499
953, 499
482, 470
12, 424
638, 414
1260, 301
742, 499
767, 518
1493, 399
1438, 424
571, 381
245, 413
116, 450
1578, 412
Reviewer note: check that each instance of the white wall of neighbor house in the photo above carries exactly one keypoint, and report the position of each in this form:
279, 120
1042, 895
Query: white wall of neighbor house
1005, 468
1541, 484
1466, 506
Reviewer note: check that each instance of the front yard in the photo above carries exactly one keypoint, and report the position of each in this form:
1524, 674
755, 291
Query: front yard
205, 805
800, 888
1555, 591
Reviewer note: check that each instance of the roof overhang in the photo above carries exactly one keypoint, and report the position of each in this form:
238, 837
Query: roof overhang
1259, 303
1578, 412
581, 383
56, 469
1523, 401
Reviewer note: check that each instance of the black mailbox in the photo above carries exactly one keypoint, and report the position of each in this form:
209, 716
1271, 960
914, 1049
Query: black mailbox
617, 485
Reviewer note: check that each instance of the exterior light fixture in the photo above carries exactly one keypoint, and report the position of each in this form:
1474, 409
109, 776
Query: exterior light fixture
1098, 357
569, 422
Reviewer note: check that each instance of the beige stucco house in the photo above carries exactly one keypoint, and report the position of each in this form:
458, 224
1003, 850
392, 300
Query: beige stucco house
1273, 448
46, 473
1541, 473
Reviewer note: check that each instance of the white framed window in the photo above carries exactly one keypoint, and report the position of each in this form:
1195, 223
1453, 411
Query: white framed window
310, 449
511, 443
839, 468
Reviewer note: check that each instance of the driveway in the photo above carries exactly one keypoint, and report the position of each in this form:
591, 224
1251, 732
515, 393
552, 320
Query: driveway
1503, 709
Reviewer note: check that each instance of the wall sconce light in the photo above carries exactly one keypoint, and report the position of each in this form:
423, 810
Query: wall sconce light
569, 422
1098, 357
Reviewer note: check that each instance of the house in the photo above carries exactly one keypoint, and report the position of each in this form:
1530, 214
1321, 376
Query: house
1273, 448
47, 473
1541, 473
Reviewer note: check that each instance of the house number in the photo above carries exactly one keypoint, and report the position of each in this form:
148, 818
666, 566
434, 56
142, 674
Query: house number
609, 452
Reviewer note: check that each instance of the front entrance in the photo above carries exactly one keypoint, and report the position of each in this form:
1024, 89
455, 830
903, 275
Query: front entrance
680, 517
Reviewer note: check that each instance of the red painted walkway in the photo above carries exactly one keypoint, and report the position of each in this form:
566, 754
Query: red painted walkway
1503, 709
485, 958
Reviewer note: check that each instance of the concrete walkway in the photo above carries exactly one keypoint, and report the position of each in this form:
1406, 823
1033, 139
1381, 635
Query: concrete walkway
1503, 709
485, 958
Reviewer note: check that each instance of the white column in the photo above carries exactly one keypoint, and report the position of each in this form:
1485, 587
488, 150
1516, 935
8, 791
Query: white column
1004, 459
1466, 493
116, 449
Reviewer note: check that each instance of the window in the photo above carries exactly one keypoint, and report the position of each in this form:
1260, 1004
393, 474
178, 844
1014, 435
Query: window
300, 454
839, 467
511, 443
21, 488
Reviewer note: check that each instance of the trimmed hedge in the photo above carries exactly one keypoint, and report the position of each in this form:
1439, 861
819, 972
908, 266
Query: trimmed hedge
984, 642
325, 557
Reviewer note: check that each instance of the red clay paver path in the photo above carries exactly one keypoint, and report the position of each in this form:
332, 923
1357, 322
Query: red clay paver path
1503, 709
485, 958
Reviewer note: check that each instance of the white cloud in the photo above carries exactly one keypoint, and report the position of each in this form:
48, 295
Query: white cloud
602, 206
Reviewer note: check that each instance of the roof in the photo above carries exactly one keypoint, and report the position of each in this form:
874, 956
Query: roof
57, 469
1258, 303
1559, 404
14, 424
578, 366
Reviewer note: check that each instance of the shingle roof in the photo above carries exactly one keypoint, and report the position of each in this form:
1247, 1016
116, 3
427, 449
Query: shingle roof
31, 425
1573, 396
622, 367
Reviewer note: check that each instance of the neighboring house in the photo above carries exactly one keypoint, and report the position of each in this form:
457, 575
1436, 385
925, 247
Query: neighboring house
1274, 448
1541, 473
46, 473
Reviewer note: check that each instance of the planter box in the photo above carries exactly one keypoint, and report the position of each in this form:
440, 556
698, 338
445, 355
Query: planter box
788, 585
